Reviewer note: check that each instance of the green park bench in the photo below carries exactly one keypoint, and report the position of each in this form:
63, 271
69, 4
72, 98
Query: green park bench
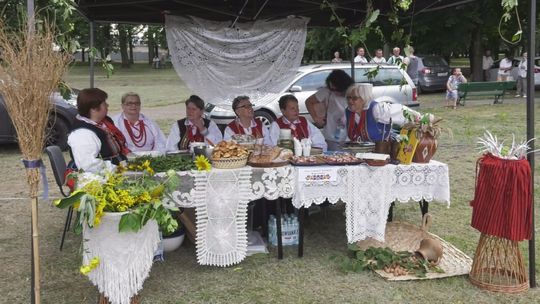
489, 88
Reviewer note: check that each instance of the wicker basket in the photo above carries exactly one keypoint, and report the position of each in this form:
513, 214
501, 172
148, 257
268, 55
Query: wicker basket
230, 163
498, 266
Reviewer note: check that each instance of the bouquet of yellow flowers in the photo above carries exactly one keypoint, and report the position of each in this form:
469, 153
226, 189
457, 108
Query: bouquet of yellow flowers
140, 196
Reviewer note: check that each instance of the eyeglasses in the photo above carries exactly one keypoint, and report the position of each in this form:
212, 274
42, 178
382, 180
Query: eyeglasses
246, 106
130, 104
354, 98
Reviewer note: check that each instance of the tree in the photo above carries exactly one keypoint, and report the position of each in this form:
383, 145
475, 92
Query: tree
123, 38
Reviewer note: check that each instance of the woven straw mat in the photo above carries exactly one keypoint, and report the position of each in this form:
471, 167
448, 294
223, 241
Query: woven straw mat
401, 236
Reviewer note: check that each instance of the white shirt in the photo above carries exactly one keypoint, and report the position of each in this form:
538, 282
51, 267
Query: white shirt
522, 68
214, 135
155, 139
360, 59
487, 62
504, 64
335, 108
85, 147
317, 139
378, 60
227, 135
393, 59
384, 112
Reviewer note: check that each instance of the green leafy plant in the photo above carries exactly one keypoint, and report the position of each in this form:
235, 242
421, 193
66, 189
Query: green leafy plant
398, 263
139, 196
163, 163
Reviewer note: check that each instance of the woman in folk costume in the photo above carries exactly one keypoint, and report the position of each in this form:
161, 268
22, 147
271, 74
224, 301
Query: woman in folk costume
300, 127
193, 128
95, 143
141, 133
369, 120
245, 123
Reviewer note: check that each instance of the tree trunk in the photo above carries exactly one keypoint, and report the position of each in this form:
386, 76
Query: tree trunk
122, 41
151, 47
475, 54
131, 60
82, 54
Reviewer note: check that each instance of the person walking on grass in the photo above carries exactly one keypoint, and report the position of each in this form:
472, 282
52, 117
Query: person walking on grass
452, 87
505, 66
487, 62
522, 77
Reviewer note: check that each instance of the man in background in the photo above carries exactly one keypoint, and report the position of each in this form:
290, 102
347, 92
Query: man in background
378, 59
360, 56
522, 77
396, 58
412, 65
487, 62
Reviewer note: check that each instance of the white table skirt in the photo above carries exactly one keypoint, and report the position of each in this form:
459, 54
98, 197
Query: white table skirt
220, 198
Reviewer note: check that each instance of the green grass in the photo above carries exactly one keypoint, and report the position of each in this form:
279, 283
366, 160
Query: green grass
262, 278
460, 62
156, 87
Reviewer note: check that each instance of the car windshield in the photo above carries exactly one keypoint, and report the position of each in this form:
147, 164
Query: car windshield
433, 61
313, 81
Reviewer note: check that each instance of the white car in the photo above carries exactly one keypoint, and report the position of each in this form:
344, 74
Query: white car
514, 72
391, 84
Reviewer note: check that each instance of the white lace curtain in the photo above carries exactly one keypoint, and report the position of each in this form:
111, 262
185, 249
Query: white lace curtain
218, 62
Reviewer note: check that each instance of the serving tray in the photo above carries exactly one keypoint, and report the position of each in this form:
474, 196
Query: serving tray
268, 165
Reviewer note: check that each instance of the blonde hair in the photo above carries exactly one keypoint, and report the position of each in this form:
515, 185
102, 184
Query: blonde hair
129, 94
362, 90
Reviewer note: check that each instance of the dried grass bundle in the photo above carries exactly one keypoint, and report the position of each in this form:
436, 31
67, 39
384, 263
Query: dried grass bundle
30, 70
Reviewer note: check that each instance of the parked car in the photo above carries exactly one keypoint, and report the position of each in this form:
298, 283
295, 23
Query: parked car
62, 118
514, 72
433, 73
391, 84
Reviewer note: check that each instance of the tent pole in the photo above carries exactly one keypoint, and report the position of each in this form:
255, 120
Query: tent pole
91, 57
352, 63
530, 130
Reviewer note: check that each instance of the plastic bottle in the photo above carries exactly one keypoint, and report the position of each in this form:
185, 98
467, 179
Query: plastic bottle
272, 230
340, 130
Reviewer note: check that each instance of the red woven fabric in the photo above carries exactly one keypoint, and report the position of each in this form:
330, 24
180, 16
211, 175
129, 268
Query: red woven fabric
502, 204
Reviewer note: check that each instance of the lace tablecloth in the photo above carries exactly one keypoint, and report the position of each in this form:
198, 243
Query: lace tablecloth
125, 258
220, 198
368, 192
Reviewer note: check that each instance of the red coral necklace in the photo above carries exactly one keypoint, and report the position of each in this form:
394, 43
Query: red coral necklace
138, 140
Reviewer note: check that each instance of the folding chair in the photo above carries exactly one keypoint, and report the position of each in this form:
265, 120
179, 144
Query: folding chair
58, 165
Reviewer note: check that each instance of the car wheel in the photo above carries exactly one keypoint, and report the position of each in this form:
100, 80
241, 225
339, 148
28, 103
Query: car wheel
266, 117
57, 133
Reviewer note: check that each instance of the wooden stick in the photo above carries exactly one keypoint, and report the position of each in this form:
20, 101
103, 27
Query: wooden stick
35, 253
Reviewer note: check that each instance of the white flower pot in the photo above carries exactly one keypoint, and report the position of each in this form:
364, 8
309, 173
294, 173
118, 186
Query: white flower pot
173, 243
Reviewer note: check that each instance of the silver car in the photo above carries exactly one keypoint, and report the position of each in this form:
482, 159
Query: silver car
391, 84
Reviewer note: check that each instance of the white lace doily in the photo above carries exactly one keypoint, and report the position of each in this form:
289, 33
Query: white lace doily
217, 62
221, 208
221, 196
369, 191
125, 259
